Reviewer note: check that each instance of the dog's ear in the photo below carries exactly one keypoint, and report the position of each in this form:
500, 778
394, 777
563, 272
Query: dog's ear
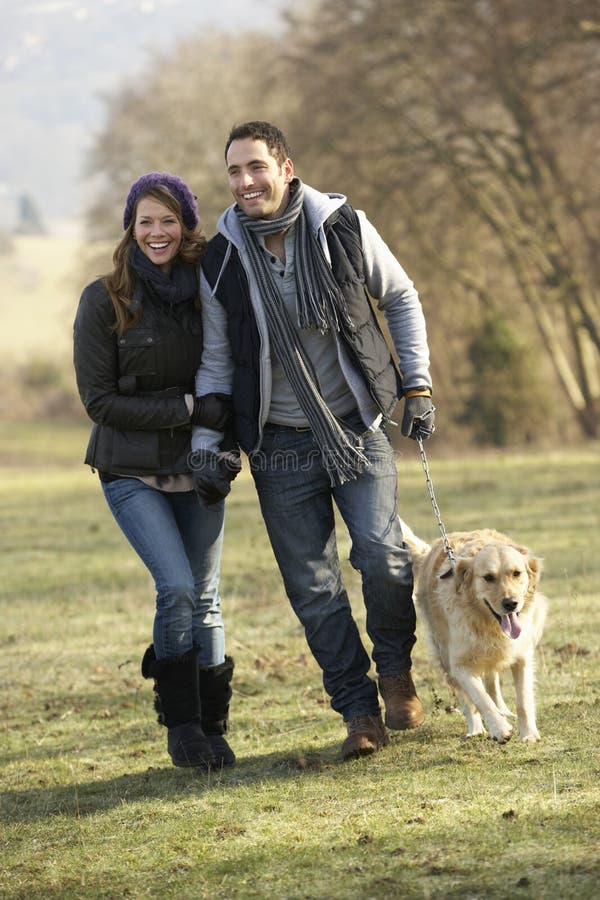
534, 571
463, 572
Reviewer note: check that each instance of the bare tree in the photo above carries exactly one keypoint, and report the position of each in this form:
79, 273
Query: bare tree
463, 116
178, 120
467, 130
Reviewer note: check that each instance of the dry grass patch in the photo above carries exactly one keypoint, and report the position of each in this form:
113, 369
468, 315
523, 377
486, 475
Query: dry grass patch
92, 808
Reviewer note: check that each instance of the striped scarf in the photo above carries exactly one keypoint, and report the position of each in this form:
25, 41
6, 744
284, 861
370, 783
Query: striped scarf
320, 304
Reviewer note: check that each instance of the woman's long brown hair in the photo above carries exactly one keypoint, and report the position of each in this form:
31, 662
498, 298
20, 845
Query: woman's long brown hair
119, 283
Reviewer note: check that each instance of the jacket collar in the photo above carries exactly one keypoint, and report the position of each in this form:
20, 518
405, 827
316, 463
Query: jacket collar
318, 207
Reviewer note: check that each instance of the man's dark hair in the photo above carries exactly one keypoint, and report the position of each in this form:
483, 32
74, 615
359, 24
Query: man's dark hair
275, 139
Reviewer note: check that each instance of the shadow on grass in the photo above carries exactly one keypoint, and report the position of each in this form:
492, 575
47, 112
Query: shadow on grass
87, 798
81, 799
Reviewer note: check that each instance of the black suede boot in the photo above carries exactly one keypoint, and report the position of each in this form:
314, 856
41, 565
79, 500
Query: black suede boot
215, 694
177, 702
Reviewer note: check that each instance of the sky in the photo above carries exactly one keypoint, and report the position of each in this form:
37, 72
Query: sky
58, 58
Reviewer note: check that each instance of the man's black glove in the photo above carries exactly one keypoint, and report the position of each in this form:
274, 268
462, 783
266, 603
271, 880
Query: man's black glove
419, 417
212, 411
213, 473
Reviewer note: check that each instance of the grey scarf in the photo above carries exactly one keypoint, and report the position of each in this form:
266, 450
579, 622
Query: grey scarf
320, 304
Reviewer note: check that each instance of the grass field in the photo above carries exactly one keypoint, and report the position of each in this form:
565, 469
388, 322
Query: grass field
91, 806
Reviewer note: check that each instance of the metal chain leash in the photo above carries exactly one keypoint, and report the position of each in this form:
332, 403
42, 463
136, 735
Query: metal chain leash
436, 509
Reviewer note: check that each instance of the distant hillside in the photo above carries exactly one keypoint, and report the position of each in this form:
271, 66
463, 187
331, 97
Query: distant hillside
59, 59
39, 296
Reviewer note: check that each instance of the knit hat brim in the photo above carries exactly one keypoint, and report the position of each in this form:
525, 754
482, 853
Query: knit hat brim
174, 185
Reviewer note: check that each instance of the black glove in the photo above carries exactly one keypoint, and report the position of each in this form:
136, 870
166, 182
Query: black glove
213, 473
212, 410
419, 417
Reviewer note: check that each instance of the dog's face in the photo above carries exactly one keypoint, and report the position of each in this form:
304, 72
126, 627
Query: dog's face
502, 578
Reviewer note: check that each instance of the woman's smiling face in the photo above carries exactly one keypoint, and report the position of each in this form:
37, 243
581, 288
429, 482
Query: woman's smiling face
158, 232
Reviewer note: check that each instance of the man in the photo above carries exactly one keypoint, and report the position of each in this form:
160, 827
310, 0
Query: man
289, 331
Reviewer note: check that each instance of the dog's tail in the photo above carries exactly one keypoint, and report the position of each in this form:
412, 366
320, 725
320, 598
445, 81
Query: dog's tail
418, 547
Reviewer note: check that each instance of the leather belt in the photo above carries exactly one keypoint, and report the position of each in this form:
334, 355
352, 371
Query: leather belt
273, 426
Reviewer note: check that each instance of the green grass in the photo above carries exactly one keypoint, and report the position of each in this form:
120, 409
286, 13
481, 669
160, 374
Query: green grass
91, 806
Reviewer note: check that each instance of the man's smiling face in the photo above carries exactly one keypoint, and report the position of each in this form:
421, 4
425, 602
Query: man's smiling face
260, 186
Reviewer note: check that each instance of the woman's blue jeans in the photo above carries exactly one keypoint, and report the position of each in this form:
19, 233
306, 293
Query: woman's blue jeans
180, 541
297, 505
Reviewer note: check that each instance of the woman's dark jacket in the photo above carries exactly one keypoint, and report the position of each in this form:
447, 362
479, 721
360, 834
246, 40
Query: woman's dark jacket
133, 385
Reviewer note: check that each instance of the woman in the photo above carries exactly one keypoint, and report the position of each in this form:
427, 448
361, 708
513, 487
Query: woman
138, 343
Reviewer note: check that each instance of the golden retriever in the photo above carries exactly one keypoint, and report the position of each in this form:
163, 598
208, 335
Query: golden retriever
482, 616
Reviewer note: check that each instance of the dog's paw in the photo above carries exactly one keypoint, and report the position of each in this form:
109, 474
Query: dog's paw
475, 732
501, 731
530, 736
474, 723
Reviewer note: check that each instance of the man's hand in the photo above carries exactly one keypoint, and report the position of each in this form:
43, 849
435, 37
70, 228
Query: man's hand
213, 473
212, 411
419, 417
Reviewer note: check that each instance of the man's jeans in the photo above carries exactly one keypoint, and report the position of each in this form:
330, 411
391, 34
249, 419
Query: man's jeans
180, 541
297, 505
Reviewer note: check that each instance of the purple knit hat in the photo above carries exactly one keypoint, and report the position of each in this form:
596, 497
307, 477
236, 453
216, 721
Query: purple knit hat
175, 186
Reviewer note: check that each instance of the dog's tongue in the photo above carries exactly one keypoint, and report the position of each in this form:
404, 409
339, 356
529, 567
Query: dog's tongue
510, 625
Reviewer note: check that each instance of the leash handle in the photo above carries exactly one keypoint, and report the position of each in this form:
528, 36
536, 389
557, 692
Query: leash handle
436, 509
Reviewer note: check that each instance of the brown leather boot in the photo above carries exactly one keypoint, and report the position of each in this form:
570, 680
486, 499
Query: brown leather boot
402, 706
366, 734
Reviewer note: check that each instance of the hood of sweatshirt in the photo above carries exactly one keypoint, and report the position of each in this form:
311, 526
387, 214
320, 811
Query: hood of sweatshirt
318, 207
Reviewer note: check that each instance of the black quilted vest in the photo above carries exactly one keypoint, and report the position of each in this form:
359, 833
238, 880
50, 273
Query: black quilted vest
365, 340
